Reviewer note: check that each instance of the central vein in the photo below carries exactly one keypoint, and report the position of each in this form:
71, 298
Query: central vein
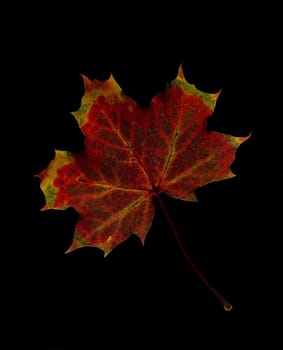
127, 143
171, 152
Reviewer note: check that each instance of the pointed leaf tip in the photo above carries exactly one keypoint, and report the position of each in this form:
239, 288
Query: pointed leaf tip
180, 74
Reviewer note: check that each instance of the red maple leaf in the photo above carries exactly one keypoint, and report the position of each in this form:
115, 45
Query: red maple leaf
133, 154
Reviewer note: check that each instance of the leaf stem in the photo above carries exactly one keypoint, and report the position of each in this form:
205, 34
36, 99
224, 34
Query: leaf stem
225, 303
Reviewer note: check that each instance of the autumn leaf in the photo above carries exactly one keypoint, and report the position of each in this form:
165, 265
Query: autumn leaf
132, 154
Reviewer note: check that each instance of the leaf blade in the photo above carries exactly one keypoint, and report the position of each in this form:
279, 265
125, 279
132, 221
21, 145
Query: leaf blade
132, 153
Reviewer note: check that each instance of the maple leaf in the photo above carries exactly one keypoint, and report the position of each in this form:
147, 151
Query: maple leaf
132, 154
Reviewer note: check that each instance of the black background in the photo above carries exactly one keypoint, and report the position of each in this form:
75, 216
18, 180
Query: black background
143, 297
